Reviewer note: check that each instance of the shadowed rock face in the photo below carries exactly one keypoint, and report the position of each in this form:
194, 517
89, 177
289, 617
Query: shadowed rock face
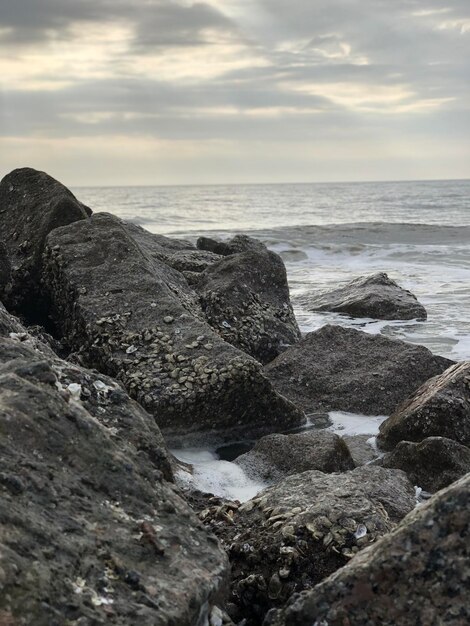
245, 298
432, 464
345, 369
440, 408
237, 244
376, 296
90, 530
276, 456
32, 204
415, 575
297, 532
134, 317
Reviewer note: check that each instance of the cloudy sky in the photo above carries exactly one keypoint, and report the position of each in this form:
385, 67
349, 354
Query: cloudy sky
172, 91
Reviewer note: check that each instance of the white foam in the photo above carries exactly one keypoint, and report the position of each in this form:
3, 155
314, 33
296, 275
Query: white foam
355, 423
211, 475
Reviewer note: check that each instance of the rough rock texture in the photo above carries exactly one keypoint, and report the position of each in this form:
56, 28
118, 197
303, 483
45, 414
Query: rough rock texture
302, 529
31, 205
431, 464
276, 456
360, 448
239, 243
90, 532
418, 574
5, 267
376, 296
344, 369
440, 408
245, 298
135, 318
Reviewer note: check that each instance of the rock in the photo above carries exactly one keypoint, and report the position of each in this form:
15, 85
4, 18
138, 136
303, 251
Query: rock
418, 574
192, 260
297, 532
110, 296
432, 464
31, 205
276, 456
245, 298
376, 296
5, 267
439, 408
361, 448
344, 369
91, 531
239, 243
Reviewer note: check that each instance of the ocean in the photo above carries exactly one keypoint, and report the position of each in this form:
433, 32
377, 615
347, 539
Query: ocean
328, 233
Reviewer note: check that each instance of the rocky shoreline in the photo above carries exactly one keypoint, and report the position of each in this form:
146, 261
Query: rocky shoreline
116, 343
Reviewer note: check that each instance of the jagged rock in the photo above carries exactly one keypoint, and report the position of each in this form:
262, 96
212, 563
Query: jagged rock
344, 369
135, 318
432, 464
276, 456
245, 298
360, 448
239, 243
418, 574
90, 530
376, 296
297, 532
439, 408
192, 260
31, 205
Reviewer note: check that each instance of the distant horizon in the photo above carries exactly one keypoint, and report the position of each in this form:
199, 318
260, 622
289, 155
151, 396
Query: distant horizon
273, 184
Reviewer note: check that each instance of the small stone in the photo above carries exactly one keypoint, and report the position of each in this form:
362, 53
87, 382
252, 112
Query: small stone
168, 319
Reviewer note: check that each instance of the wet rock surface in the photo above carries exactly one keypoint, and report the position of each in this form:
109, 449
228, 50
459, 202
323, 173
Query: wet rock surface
415, 575
344, 369
245, 298
276, 456
440, 408
376, 296
91, 532
135, 318
5, 267
237, 244
302, 529
431, 464
32, 203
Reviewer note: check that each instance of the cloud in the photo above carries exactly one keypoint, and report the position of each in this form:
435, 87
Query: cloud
236, 71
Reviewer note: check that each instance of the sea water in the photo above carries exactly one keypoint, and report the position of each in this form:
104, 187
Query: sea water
417, 232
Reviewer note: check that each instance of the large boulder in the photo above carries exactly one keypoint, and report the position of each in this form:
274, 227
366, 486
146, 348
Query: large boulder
439, 408
344, 369
134, 317
297, 532
432, 464
5, 267
418, 574
32, 203
376, 296
362, 448
276, 456
90, 530
245, 298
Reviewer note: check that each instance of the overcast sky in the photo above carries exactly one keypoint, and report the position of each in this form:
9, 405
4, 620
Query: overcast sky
170, 92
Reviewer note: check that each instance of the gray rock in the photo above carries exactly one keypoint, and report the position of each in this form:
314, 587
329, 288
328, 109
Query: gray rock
5, 267
245, 298
276, 456
360, 449
112, 299
432, 464
297, 532
376, 296
192, 260
440, 408
90, 529
418, 574
344, 369
239, 243
31, 205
